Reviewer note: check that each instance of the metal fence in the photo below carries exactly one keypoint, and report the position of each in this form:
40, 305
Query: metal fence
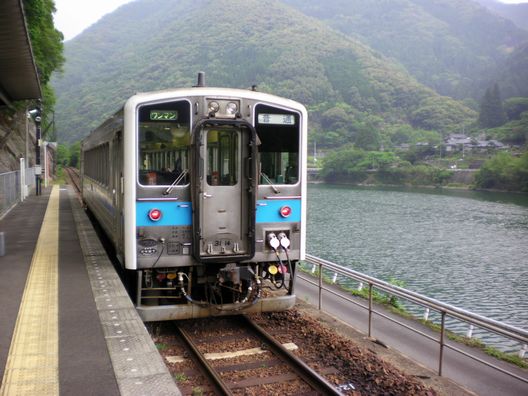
10, 188
444, 310
9, 191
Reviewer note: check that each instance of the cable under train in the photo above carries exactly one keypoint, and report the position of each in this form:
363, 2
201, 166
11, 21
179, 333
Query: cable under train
202, 193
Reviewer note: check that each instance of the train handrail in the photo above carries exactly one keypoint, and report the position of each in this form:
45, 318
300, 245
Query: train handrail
444, 309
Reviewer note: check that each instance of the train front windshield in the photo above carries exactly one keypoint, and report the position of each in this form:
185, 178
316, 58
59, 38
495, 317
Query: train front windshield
163, 143
279, 135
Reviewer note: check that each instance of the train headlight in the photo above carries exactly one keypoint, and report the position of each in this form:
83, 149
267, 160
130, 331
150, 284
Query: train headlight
285, 211
155, 214
213, 107
231, 108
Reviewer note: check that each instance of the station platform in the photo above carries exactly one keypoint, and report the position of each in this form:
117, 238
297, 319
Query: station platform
67, 325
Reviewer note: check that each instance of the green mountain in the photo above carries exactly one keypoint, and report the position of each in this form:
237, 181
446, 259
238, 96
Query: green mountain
512, 76
452, 46
518, 13
158, 44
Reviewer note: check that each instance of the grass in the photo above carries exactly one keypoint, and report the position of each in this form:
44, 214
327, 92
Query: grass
180, 377
395, 306
197, 391
477, 343
384, 299
161, 346
59, 177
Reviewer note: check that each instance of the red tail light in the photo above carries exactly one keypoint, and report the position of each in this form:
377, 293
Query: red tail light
154, 214
285, 211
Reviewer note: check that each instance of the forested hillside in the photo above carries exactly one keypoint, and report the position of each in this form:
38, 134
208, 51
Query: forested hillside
512, 75
518, 13
158, 44
453, 46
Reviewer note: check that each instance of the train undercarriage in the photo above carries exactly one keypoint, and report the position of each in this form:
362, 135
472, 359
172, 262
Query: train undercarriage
214, 290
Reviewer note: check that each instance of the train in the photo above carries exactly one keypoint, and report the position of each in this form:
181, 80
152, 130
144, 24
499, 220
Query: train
201, 192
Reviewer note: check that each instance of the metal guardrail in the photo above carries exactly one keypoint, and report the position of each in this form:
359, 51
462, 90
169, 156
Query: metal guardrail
445, 310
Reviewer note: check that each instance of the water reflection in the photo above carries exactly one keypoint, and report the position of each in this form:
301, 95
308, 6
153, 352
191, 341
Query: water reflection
466, 248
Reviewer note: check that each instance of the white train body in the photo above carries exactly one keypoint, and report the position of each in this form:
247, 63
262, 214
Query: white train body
202, 194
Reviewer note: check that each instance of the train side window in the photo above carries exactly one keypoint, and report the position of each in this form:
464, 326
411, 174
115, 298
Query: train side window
163, 143
279, 134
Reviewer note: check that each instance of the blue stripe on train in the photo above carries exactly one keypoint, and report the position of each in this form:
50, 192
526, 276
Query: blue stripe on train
173, 213
180, 213
268, 211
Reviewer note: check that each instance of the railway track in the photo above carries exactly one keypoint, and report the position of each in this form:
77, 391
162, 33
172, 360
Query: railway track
236, 356
73, 175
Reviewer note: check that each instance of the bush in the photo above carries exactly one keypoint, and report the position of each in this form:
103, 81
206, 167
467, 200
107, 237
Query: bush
505, 172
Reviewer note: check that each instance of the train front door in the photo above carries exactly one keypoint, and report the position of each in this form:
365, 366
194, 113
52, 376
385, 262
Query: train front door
224, 215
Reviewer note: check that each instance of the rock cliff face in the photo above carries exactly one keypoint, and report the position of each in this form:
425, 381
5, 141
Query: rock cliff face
13, 139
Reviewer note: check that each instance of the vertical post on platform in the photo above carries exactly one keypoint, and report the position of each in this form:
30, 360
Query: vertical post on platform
2, 244
426, 314
441, 355
38, 166
27, 136
45, 169
38, 133
22, 179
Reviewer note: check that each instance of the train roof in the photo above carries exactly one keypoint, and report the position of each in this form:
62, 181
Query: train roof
142, 97
116, 119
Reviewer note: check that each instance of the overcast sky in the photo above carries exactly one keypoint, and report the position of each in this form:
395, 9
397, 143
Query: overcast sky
73, 16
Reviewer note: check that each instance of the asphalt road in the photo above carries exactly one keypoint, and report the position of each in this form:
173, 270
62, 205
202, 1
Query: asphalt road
467, 372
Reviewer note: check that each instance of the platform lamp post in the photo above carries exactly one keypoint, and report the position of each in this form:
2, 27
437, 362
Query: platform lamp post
36, 114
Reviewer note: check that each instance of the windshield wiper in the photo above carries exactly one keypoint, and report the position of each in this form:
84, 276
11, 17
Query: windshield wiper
175, 182
267, 179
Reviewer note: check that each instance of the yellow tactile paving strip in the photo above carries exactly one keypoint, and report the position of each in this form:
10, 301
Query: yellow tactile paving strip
32, 366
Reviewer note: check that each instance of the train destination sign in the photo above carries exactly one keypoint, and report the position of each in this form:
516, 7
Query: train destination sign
163, 115
276, 119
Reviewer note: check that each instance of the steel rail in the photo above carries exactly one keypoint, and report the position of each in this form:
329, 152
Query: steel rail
444, 309
311, 377
209, 370
74, 177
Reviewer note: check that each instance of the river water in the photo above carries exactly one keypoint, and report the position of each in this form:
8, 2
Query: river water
465, 248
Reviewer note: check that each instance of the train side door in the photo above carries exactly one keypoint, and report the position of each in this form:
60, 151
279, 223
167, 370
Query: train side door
224, 192
117, 190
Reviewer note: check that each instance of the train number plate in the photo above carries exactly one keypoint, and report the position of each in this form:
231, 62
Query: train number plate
222, 242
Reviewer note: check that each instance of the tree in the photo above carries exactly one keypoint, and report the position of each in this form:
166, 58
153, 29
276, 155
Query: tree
514, 107
46, 42
492, 112
503, 171
367, 137
63, 155
75, 154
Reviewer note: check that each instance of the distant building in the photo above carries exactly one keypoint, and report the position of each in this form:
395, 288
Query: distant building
457, 142
460, 142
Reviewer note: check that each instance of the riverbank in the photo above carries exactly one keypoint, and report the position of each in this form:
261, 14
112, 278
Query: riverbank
453, 184
501, 171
